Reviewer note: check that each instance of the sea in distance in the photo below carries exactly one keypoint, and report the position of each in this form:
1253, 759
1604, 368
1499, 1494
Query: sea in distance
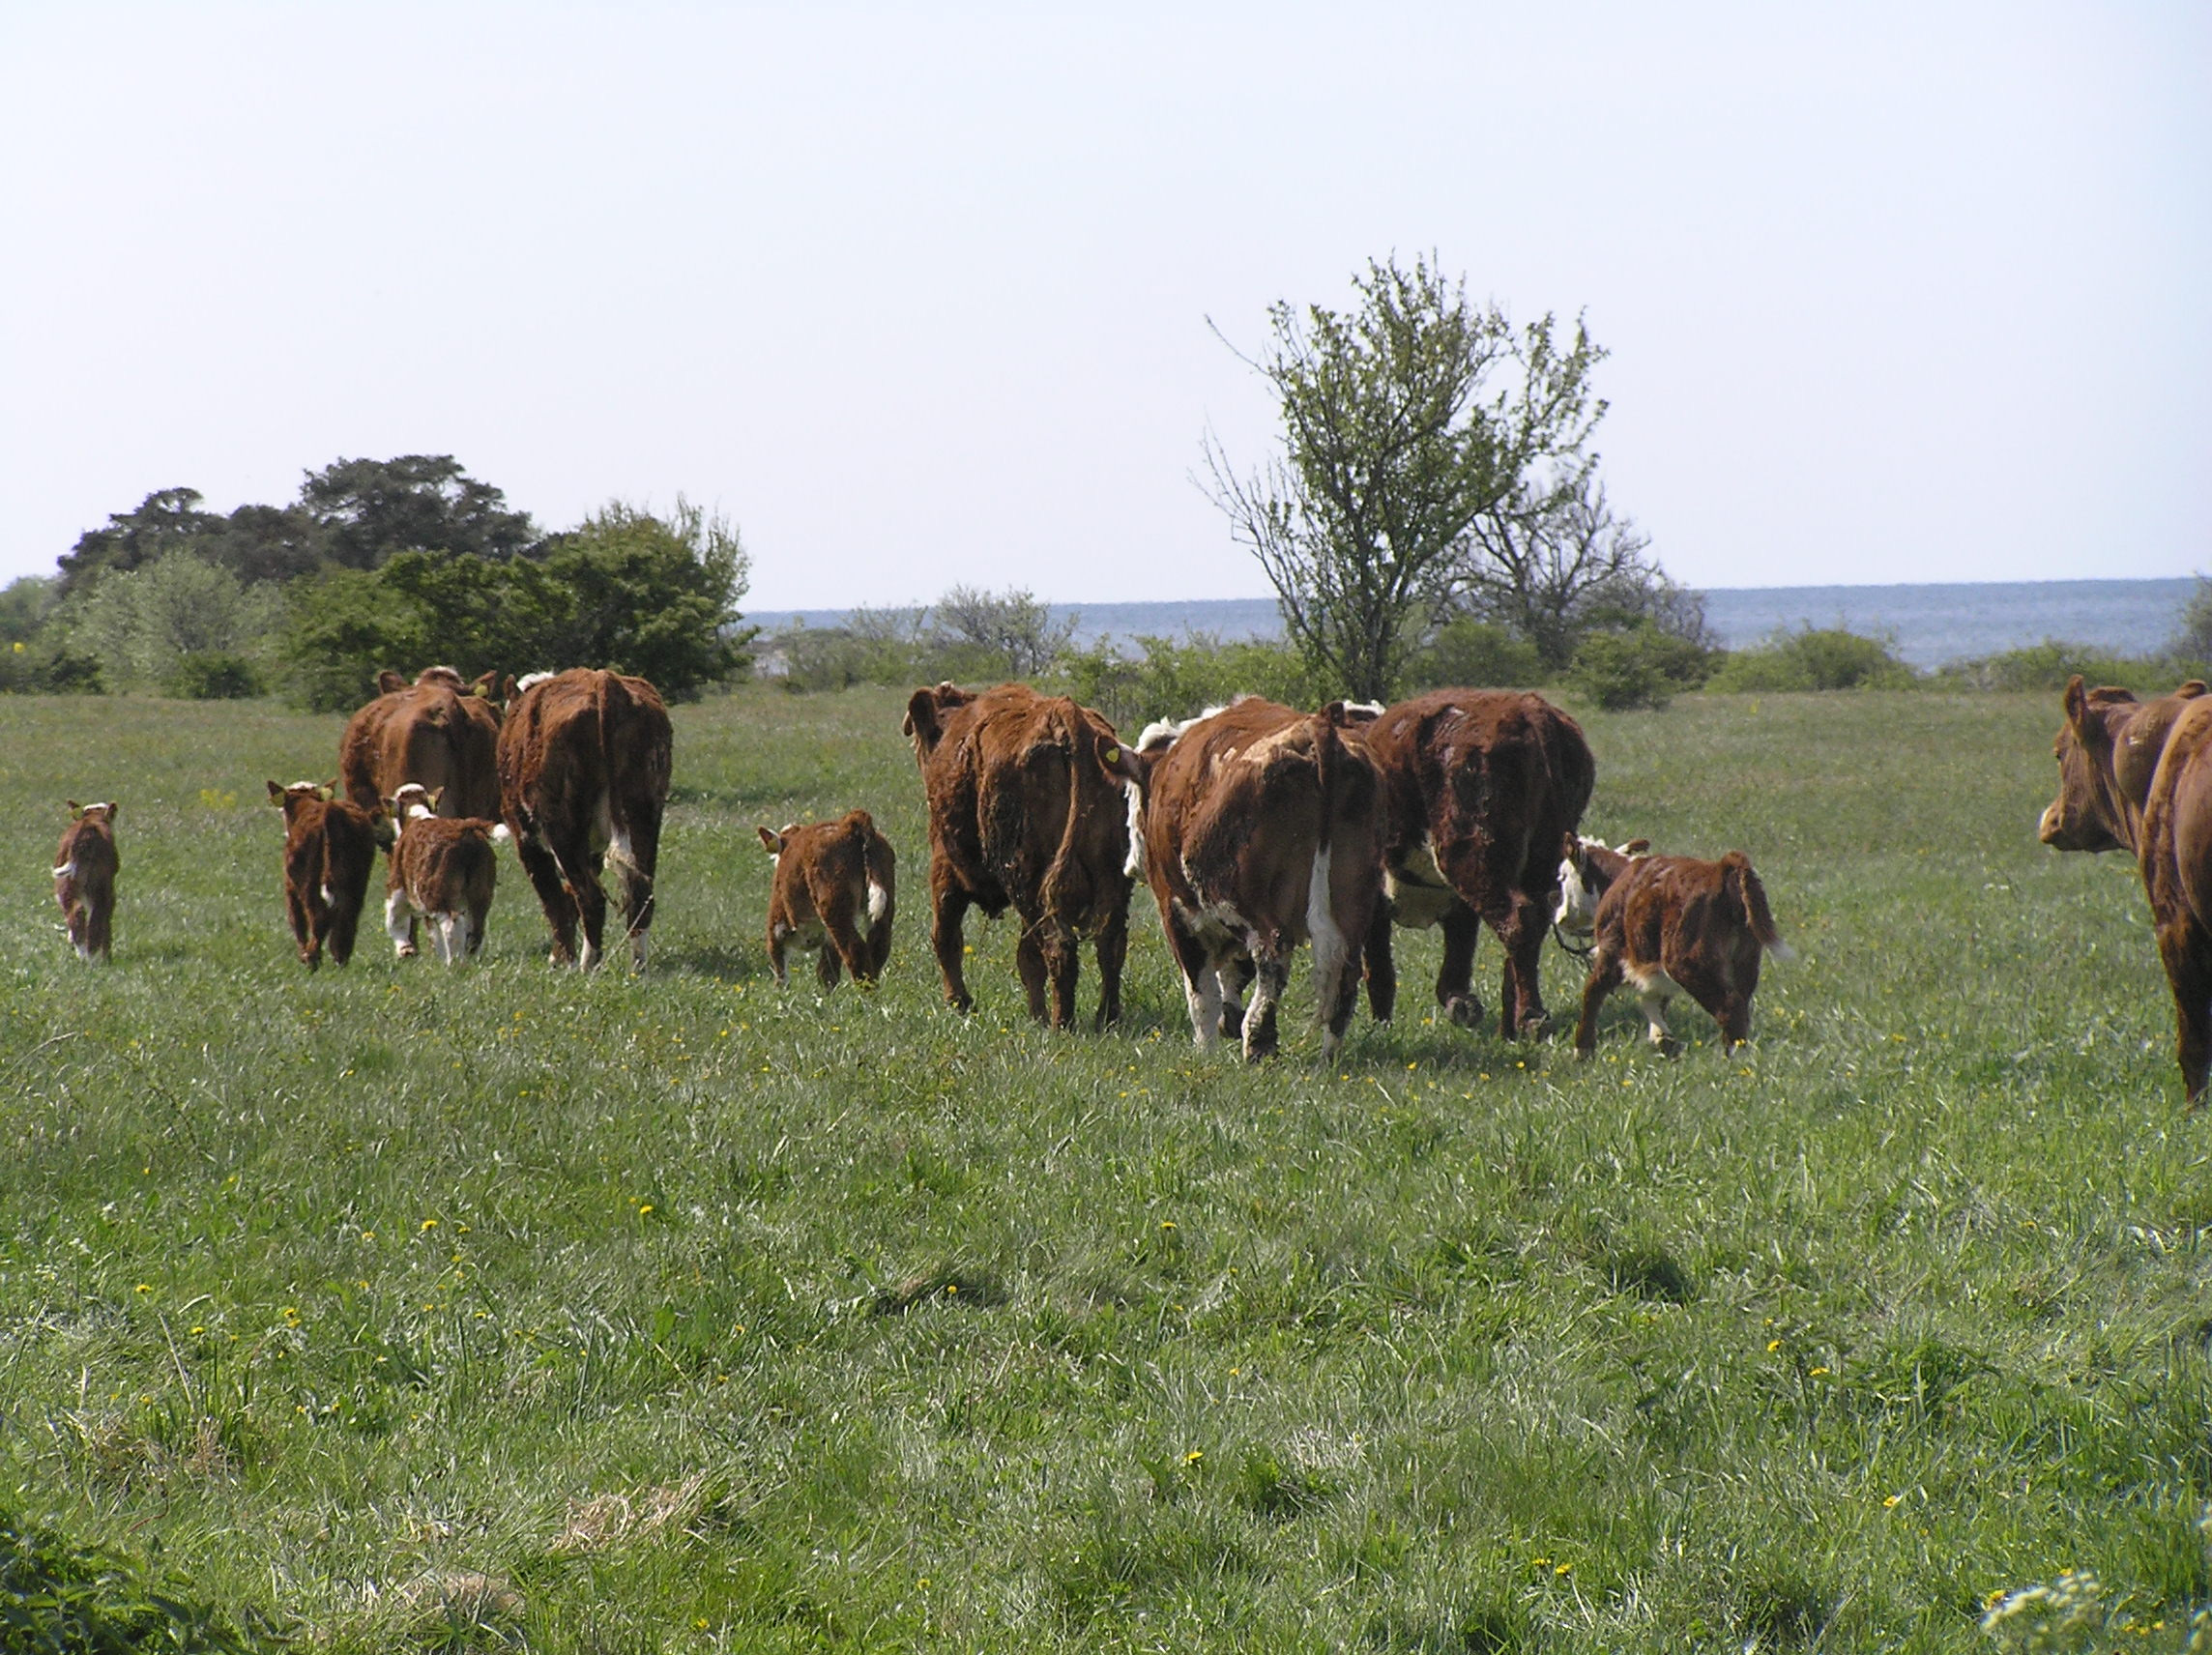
1926, 624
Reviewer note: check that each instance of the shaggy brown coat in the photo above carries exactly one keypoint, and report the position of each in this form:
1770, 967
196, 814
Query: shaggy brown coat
443, 870
1482, 786
1025, 811
437, 731
84, 879
830, 878
329, 850
584, 761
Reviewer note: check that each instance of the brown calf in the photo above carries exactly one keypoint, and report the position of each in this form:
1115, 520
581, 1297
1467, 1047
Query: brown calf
1025, 810
1483, 785
2139, 776
584, 761
828, 875
329, 848
84, 879
438, 731
1670, 925
1262, 831
443, 869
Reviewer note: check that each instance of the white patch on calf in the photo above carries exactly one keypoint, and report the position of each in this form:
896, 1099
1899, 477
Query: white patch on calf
68, 870
395, 916
1330, 948
1204, 995
528, 679
328, 896
879, 902
1577, 908
1133, 864
502, 834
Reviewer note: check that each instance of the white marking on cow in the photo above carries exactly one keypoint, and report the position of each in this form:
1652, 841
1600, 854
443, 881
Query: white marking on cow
1780, 950
396, 922
1204, 995
1133, 864
1577, 908
588, 958
637, 945
329, 896
502, 834
879, 902
1418, 893
68, 870
1331, 947
528, 678
1373, 709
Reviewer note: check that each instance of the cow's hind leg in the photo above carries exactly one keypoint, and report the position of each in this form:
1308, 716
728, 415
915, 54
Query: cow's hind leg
1604, 977
1271, 975
2188, 958
305, 932
635, 853
1234, 974
399, 923
1381, 965
552, 895
1112, 945
579, 870
948, 906
827, 970
1455, 977
1201, 982
1521, 1014
1063, 964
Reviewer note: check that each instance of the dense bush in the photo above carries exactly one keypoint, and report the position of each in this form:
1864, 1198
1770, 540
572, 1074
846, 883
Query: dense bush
1640, 667
1814, 658
1179, 678
2048, 665
652, 595
142, 623
1478, 654
210, 674
47, 666
58, 1598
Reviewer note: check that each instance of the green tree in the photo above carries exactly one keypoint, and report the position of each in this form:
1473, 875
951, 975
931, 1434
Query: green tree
141, 624
371, 510
1404, 422
1550, 562
166, 520
1009, 633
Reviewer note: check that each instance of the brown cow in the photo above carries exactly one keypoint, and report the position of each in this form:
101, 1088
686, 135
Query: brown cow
1025, 810
329, 848
2138, 775
443, 870
827, 875
1670, 925
1262, 831
438, 731
84, 879
584, 760
1483, 786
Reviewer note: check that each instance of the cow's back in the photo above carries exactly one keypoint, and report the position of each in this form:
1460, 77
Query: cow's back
430, 733
2177, 822
1502, 770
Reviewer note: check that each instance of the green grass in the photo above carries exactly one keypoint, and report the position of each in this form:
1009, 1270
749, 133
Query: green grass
502, 1307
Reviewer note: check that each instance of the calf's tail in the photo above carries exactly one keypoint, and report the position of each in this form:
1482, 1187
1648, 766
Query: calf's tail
1743, 884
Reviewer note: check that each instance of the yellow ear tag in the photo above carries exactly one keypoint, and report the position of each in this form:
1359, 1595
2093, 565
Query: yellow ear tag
1113, 755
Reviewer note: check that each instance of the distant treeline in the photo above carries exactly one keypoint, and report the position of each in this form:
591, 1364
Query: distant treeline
973, 637
392, 562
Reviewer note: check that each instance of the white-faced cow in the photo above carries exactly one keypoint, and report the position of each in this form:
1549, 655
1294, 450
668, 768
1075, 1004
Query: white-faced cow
1482, 786
84, 879
832, 879
1668, 926
2137, 775
584, 760
1261, 831
1025, 810
438, 731
329, 851
443, 870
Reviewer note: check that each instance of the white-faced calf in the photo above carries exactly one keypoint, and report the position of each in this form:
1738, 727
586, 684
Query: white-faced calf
84, 879
830, 878
1668, 925
443, 869
329, 849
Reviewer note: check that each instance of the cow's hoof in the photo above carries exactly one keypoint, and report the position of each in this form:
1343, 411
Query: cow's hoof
407, 950
1668, 1048
1464, 1010
1534, 1026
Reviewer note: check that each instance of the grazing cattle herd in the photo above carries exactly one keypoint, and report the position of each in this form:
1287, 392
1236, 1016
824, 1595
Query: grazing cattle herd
1258, 826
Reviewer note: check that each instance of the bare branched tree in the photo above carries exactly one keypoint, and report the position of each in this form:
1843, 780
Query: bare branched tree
1549, 556
1011, 625
1404, 422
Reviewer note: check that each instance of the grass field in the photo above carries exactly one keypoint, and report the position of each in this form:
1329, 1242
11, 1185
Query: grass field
500, 1307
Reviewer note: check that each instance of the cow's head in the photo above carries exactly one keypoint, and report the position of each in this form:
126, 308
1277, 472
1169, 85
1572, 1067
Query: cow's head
925, 712
414, 800
288, 800
100, 812
1587, 868
2090, 813
445, 678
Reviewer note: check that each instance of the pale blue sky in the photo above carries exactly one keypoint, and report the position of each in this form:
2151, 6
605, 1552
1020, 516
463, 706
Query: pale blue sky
919, 294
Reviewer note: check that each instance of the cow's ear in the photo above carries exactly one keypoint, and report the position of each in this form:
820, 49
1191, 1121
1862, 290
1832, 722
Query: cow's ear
921, 719
389, 681
1123, 762
1637, 848
2191, 690
2077, 703
276, 794
771, 842
436, 793
76, 809
484, 684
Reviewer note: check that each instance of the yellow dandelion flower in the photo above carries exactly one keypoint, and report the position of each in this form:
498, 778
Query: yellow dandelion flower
1774, 1344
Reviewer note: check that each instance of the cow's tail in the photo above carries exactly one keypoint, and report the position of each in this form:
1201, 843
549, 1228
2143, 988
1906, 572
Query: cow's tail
1064, 895
1751, 896
1334, 949
875, 869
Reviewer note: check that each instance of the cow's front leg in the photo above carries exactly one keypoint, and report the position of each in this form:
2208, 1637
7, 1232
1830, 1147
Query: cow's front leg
1604, 977
2188, 959
949, 906
399, 923
1455, 977
1521, 1014
1271, 978
1381, 965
